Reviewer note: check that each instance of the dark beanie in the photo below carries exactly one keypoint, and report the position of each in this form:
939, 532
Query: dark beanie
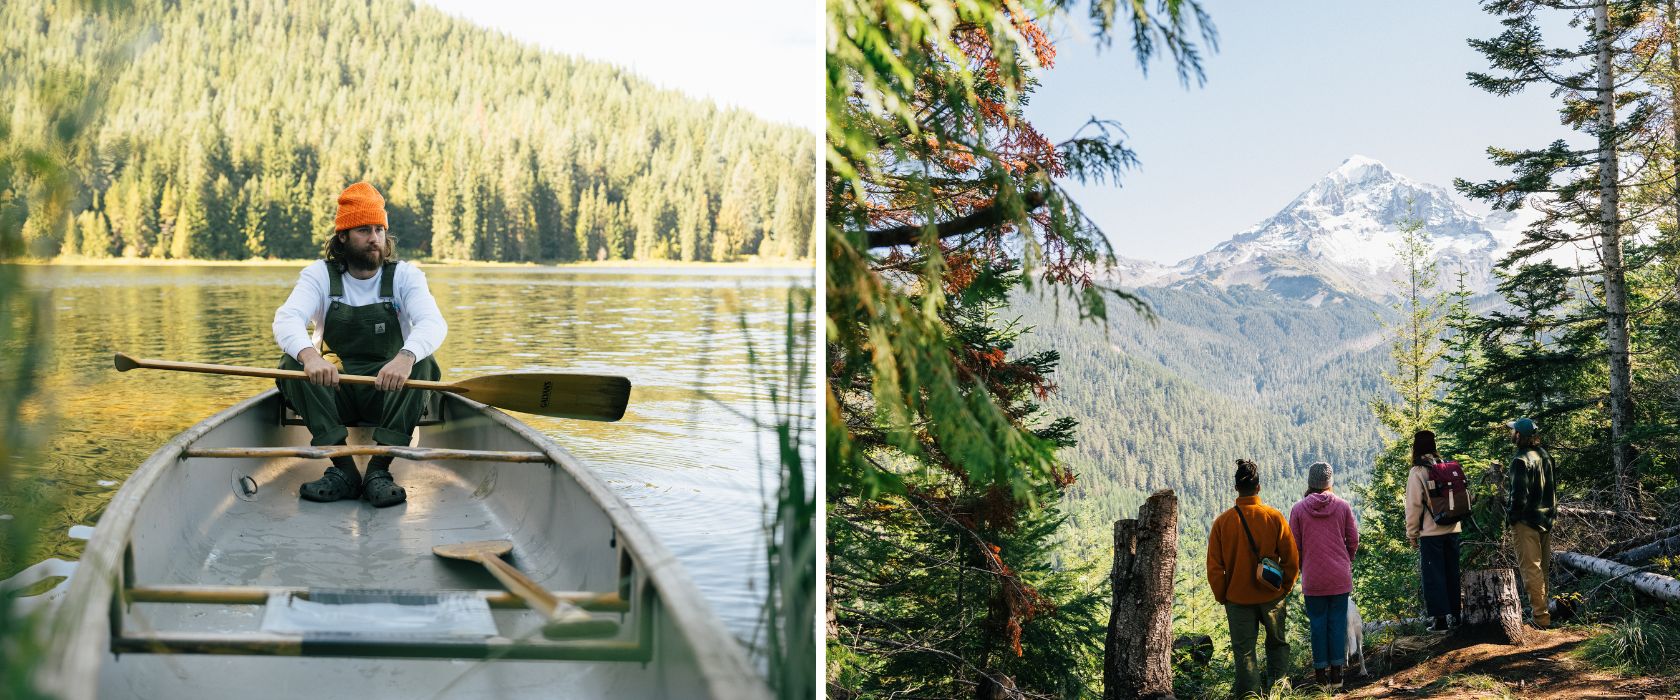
1248, 475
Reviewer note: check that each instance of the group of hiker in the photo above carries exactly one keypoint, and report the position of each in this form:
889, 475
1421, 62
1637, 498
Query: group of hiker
1254, 554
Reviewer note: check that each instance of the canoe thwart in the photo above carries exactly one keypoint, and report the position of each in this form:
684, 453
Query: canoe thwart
417, 454
258, 595
392, 646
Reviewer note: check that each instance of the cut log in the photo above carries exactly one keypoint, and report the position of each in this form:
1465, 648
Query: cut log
1579, 512
1492, 611
1137, 661
1654, 585
1642, 554
1631, 542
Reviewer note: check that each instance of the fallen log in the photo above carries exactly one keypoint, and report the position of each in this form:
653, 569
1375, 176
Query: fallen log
1659, 548
1381, 625
1617, 548
1655, 585
1580, 512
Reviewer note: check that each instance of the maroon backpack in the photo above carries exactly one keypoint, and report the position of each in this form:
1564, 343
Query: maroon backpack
1448, 492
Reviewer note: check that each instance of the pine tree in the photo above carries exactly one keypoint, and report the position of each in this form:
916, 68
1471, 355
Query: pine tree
1387, 564
950, 585
1588, 198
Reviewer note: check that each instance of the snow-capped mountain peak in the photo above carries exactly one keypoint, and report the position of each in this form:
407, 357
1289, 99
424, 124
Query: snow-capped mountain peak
1340, 235
1359, 168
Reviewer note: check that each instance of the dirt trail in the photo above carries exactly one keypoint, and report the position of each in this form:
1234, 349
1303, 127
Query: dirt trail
1543, 668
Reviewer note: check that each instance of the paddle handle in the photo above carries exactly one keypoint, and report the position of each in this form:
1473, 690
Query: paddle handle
564, 619
125, 362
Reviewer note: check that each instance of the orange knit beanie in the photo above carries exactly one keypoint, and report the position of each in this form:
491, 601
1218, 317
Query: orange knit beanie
359, 205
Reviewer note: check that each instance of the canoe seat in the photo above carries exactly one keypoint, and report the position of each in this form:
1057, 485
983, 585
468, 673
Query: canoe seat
431, 413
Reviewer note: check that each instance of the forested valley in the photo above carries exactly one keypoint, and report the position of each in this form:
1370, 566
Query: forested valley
1219, 374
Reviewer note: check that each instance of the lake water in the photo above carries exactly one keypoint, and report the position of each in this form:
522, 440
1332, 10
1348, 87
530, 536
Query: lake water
686, 456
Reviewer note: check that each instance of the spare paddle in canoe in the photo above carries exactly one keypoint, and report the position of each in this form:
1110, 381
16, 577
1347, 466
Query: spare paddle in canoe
581, 396
565, 620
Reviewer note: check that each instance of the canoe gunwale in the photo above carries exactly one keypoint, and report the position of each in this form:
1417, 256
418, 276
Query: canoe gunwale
87, 612
91, 599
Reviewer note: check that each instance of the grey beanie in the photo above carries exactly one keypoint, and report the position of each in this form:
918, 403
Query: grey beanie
1320, 475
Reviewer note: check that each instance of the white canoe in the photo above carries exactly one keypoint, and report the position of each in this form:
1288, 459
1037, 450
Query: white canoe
207, 577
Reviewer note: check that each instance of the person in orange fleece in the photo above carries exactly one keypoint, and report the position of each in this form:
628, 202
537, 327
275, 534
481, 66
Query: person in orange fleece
1253, 598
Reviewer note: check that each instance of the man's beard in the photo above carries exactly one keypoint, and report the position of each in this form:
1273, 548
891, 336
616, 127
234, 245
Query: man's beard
363, 258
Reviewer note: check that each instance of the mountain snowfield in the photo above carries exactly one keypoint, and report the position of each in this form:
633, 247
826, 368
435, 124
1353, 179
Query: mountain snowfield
1340, 237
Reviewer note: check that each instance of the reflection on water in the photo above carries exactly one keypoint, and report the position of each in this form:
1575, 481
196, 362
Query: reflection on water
689, 467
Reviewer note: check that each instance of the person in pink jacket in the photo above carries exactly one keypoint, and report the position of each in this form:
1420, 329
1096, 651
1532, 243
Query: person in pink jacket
1327, 538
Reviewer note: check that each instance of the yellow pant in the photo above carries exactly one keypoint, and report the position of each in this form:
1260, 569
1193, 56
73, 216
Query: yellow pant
1534, 562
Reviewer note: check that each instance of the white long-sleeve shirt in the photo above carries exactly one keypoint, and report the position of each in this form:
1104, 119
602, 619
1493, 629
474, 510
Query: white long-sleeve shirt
423, 327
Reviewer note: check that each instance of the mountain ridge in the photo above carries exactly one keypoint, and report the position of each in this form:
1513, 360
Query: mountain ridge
1338, 239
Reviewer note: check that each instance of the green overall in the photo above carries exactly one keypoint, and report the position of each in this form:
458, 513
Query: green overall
364, 338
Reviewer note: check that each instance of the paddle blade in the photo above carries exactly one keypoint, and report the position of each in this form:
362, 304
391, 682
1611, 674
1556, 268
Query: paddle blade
126, 362
471, 551
582, 396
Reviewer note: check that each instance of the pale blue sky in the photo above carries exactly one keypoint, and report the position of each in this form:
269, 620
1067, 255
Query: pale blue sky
762, 55
1294, 90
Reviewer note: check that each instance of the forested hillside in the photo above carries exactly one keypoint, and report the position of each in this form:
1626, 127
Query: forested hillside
1221, 374
237, 122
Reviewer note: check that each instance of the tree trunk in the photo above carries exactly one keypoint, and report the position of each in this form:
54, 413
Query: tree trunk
1491, 607
1138, 659
1654, 585
1659, 548
1610, 252
1672, 18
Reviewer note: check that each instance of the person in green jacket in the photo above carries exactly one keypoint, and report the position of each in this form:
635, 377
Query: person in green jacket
1532, 506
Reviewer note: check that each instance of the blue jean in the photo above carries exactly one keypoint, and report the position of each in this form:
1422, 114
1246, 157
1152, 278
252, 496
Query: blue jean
1327, 616
1440, 574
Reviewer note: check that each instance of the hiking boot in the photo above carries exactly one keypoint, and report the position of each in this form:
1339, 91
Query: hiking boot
1438, 625
333, 485
381, 490
1453, 622
1322, 678
1336, 677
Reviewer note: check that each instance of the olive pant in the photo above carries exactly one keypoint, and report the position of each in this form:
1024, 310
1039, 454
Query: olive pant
326, 411
1534, 562
1246, 621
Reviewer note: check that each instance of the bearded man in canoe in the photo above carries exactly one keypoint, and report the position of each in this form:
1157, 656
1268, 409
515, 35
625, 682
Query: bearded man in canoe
375, 315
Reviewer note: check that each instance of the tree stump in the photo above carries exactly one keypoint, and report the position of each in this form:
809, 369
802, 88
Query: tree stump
1492, 611
1137, 661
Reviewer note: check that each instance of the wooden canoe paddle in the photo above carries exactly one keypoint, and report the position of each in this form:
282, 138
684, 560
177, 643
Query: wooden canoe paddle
583, 396
565, 621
